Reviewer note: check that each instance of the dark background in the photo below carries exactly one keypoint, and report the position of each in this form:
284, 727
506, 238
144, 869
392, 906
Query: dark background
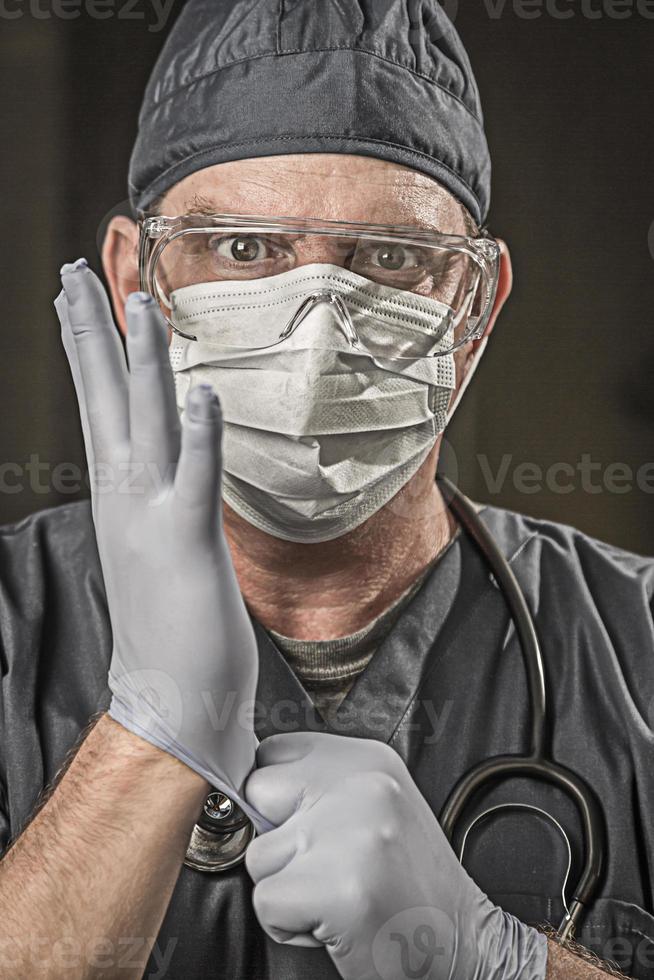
568, 373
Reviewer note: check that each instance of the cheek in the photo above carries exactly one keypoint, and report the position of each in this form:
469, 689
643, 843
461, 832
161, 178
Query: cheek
460, 362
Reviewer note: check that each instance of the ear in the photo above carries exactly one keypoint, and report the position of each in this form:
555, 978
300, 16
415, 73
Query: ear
504, 287
120, 263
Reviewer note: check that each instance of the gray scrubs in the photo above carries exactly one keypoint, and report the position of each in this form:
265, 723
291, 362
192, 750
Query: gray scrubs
446, 688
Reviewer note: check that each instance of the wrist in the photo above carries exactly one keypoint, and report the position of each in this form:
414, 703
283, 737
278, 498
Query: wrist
225, 767
146, 757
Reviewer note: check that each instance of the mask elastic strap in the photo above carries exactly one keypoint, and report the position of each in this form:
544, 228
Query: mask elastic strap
468, 378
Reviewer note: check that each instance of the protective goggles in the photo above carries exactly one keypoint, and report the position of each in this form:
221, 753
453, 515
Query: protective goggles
426, 293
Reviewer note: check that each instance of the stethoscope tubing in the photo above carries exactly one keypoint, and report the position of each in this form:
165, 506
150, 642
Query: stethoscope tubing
535, 764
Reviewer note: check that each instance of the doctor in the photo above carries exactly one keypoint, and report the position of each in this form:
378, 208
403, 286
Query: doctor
270, 598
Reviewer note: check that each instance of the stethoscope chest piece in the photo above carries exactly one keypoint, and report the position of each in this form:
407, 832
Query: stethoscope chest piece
221, 836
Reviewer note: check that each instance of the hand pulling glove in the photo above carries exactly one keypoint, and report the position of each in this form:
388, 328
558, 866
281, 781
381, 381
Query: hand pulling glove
359, 863
184, 662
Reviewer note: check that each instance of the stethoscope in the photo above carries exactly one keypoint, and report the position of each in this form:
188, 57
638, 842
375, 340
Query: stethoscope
536, 764
223, 832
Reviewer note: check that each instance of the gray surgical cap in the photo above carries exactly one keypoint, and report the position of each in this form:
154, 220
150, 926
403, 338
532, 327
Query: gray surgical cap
253, 78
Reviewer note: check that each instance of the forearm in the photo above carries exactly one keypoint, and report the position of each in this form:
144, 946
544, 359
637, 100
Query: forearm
564, 963
98, 864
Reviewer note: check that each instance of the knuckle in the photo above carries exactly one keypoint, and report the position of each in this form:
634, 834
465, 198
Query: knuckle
304, 840
380, 832
385, 833
383, 786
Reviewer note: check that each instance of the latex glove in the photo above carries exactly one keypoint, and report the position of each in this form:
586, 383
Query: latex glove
184, 657
360, 864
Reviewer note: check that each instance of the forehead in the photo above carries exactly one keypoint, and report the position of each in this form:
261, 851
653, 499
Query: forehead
331, 186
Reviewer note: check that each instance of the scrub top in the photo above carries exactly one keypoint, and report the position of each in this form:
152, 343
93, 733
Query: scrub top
446, 688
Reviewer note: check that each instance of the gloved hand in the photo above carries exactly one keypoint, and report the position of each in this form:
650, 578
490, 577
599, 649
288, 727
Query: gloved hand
359, 863
184, 655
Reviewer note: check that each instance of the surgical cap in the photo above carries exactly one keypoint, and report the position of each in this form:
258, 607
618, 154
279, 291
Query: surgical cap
252, 78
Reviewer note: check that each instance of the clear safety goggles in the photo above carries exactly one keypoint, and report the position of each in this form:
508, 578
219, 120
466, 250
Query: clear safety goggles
448, 282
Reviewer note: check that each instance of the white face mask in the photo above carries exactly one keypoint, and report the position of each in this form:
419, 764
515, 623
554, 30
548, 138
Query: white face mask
318, 435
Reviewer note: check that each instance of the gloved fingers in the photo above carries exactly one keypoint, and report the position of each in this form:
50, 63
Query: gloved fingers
291, 767
198, 476
272, 852
283, 906
100, 365
286, 747
276, 792
61, 306
153, 416
306, 941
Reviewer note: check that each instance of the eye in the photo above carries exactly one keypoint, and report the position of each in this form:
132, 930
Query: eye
241, 248
393, 257
391, 263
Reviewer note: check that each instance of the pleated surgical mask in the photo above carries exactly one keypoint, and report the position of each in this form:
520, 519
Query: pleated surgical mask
328, 409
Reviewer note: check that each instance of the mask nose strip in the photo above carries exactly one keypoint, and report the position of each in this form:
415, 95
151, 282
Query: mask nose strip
310, 302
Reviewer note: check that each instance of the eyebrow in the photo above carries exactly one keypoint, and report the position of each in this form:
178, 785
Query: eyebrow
204, 206
201, 205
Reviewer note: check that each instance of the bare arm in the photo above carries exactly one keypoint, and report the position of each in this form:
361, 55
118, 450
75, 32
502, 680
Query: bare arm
87, 884
575, 963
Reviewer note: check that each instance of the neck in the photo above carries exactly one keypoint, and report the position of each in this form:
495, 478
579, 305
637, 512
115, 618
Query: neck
333, 588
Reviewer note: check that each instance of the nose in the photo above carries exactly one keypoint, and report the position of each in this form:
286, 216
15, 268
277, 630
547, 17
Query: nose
325, 249
339, 308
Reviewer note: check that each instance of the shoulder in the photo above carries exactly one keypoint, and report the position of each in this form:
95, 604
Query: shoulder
47, 554
575, 582
592, 604
58, 531
61, 523
55, 644
563, 547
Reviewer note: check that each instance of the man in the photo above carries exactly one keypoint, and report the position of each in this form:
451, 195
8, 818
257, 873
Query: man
331, 605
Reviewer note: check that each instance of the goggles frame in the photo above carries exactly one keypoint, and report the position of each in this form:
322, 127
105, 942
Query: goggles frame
156, 232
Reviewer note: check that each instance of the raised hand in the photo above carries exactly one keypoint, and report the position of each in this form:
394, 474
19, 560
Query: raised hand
184, 664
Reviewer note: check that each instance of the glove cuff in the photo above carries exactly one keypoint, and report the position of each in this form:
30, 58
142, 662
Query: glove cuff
521, 951
157, 735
